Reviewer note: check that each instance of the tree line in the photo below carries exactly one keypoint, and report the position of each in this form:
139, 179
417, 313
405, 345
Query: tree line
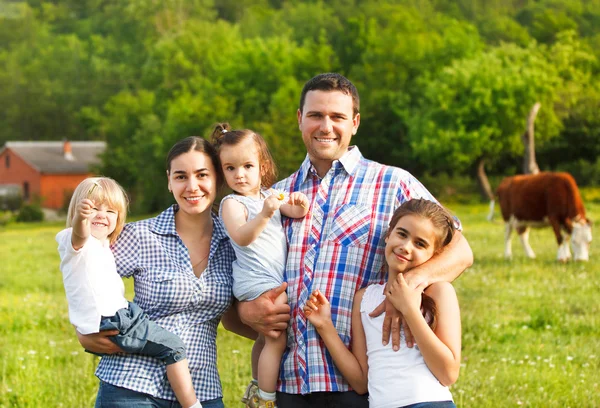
446, 85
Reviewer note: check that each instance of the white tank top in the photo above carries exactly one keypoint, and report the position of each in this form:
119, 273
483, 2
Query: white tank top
396, 378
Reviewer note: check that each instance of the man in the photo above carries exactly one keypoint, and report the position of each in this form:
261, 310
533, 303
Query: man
338, 247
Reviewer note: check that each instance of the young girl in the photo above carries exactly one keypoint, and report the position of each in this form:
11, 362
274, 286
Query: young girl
410, 377
252, 218
95, 291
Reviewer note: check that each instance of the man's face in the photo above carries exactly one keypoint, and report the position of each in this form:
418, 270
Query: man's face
327, 125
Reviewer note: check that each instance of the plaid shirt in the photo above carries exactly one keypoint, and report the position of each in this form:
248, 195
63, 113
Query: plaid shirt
337, 248
169, 292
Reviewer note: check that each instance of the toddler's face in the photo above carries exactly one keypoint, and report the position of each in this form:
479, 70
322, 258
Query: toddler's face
104, 222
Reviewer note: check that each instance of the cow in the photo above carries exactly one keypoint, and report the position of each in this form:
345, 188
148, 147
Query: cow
546, 198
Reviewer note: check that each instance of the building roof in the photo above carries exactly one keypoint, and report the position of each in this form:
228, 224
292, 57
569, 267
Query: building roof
50, 158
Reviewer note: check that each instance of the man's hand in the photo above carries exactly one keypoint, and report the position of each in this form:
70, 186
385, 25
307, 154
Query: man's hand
392, 323
263, 315
99, 342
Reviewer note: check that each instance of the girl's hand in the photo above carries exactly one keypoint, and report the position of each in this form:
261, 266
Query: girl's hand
402, 296
298, 198
85, 209
318, 310
270, 205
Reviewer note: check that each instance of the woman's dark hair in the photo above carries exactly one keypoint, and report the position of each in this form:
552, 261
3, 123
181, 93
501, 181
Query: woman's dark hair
222, 135
198, 144
443, 223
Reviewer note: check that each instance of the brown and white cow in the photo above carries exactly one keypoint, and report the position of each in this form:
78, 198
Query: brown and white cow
537, 200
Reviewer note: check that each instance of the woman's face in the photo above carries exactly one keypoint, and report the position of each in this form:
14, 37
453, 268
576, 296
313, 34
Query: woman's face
193, 182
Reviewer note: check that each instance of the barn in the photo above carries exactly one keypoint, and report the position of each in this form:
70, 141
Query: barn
48, 170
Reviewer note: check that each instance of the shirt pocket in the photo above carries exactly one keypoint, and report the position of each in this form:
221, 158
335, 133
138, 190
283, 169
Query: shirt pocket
351, 225
164, 292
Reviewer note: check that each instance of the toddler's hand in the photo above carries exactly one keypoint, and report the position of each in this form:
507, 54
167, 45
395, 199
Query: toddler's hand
85, 209
270, 205
318, 310
298, 198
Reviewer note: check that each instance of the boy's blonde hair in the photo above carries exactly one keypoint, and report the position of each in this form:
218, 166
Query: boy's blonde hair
101, 190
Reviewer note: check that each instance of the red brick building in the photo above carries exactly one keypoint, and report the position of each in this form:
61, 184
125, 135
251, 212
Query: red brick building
48, 170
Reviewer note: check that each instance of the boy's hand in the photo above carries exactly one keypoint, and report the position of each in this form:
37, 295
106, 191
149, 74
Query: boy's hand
85, 209
318, 310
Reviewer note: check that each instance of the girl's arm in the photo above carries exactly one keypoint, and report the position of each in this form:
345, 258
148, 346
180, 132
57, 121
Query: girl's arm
352, 365
296, 206
81, 223
440, 347
235, 219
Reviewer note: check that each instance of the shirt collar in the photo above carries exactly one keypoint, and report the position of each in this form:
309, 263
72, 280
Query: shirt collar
164, 224
349, 162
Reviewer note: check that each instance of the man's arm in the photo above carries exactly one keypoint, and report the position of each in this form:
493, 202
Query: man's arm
445, 266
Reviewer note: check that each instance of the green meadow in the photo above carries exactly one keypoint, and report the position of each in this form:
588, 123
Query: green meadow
531, 335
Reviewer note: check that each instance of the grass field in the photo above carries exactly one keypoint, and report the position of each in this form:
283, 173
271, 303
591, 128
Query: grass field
531, 331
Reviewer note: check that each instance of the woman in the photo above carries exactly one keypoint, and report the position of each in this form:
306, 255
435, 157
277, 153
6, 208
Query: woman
181, 263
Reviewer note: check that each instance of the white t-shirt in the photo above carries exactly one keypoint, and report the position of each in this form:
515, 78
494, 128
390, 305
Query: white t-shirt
396, 378
92, 284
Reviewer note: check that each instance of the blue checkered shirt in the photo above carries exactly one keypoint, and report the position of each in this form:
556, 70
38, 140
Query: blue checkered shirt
172, 296
337, 248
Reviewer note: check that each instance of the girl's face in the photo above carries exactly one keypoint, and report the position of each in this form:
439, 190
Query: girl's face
410, 243
241, 167
104, 222
193, 182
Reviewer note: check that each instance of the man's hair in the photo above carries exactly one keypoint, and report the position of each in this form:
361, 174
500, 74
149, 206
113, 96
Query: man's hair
328, 82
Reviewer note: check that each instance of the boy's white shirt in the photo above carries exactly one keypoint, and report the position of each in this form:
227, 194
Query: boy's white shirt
93, 287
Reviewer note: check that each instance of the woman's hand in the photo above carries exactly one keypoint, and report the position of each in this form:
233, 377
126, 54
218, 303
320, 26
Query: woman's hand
99, 342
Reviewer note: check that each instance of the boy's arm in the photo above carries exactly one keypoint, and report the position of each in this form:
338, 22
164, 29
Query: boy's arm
240, 230
352, 364
84, 211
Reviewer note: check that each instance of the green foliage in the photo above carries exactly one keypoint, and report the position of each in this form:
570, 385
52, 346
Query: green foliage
30, 213
442, 82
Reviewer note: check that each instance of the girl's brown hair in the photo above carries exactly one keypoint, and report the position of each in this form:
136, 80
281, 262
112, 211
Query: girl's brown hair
101, 190
222, 135
443, 223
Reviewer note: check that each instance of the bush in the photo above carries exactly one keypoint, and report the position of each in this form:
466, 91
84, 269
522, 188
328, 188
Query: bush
10, 197
30, 213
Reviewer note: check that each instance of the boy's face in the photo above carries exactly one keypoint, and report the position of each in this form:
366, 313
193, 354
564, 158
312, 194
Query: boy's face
327, 123
104, 222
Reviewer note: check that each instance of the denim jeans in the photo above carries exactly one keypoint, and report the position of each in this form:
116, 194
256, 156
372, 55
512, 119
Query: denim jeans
433, 404
110, 396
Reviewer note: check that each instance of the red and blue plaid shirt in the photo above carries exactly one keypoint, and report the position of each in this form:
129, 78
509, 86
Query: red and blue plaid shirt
337, 248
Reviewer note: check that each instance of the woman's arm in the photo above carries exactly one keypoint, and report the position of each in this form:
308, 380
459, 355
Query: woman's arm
440, 348
352, 365
240, 230
99, 342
